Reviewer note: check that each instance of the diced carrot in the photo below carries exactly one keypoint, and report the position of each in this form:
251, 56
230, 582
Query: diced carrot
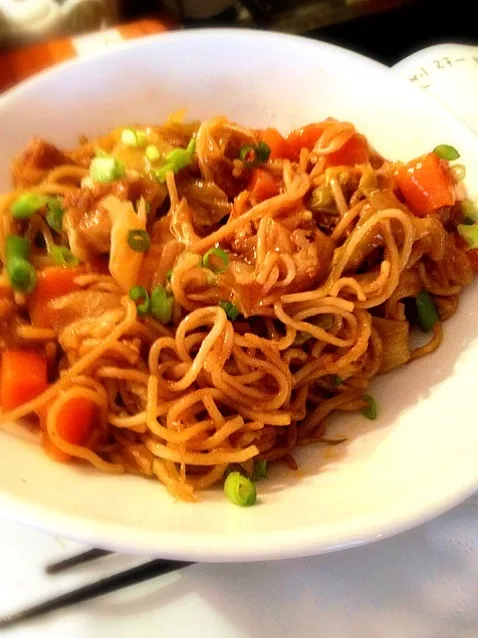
76, 420
304, 137
23, 377
279, 146
354, 151
473, 259
426, 184
263, 185
75, 423
52, 282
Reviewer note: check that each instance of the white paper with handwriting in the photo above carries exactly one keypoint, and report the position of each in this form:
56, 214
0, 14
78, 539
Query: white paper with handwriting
449, 73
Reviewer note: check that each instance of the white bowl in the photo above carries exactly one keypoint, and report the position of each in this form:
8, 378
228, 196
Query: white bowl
417, 460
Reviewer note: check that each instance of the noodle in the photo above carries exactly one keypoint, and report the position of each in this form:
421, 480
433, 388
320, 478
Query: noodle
267, 293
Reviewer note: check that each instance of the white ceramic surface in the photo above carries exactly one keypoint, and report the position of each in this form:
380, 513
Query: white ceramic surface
416, 460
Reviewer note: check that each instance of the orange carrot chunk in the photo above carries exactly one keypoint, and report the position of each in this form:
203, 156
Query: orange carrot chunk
52, 282
426, 184
354, 151
263, 185
23, 377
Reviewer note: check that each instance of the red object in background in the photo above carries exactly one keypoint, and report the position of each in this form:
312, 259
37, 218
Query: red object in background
19, 64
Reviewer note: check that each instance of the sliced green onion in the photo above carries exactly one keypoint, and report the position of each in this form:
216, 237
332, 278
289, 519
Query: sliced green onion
106, 169
427, 314
248, 155
161, 173
320, 198
138, 240
446, 152
54, 217
27, 205
211, 256
20, 271
264, 151
336, 380
191, 147
169, 274
458, 172
62, 256
325, 321
260, 469
176, 160
162, 304
469, 234
240, 490
139, 293
152, 153
469, 212
131, 137
253, 156
141, 138
128, 137
301, 338
371, 411
230, 309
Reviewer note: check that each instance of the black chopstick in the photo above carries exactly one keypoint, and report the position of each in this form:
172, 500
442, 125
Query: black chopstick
132, 576
76, 560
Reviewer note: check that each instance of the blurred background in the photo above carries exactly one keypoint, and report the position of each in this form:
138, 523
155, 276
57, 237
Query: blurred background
386, 30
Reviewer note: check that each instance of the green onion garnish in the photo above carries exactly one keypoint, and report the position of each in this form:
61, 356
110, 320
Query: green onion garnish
139, 293
301, 338
138, 240
128, 137
161, 173
62, 256
240, 490
260, 469
27, 205
106, 169
169, 274
469, 232
191, 147
21, 273
469, 212
458, 172
176, 160
324, 321
446, 152
54, 217
264, 151
371, 411
152, 153
254, 155
230, 309
336, 380
131, 137
210, 260
426, 311
162, 304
